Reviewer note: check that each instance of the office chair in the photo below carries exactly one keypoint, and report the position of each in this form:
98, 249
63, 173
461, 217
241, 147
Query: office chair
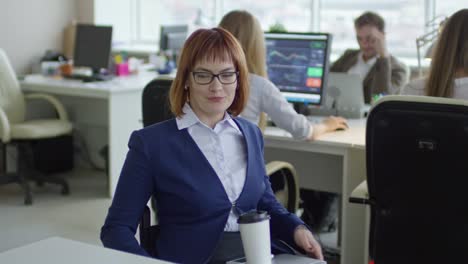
148, 233
16, 131
416, 151
288, 196
155, 102
283, 177
155, 109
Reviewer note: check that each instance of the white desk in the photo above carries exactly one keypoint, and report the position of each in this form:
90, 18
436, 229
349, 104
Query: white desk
334, 163
58, 250
104, 112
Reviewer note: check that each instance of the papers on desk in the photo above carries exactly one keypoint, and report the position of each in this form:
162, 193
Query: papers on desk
354, 136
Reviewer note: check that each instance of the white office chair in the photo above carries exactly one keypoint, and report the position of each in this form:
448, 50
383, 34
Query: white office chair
17, 131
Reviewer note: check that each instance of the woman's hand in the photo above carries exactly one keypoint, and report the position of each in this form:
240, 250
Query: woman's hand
305, 240
335, 122
329, 124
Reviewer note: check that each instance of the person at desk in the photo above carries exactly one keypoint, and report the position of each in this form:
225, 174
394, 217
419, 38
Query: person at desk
448, 74
203, 167
264, 95
381, 72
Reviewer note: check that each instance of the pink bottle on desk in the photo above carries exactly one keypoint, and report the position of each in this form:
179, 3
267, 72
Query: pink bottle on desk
121, 69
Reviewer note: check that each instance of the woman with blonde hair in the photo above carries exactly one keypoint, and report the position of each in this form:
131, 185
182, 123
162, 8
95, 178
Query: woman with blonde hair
448, 74
264, 95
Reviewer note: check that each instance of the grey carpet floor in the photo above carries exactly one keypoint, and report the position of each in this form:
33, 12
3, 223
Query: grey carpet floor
78, 216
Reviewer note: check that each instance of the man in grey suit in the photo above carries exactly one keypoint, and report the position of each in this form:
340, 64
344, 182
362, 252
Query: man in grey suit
381, 72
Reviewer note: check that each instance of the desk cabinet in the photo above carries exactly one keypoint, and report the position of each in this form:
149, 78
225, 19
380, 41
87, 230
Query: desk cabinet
334, 163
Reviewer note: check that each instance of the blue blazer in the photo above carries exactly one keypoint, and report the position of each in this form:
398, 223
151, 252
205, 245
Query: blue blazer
193, 206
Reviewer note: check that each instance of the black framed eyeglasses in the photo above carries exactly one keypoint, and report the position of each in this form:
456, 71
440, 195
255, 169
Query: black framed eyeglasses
207, 77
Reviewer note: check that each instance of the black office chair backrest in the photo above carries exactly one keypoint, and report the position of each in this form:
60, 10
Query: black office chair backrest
155, 109
148, 233
155, 102
417, 175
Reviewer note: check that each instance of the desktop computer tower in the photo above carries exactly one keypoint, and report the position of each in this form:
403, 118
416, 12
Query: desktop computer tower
53, 155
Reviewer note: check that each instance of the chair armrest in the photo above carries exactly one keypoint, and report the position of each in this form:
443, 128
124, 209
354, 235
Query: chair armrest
275, 166
62, 114
5, 133
360, 194
289, 173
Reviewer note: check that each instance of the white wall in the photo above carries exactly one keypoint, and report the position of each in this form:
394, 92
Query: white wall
85, 11
30, 27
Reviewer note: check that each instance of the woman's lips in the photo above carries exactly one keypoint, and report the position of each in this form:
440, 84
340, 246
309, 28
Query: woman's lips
216, 99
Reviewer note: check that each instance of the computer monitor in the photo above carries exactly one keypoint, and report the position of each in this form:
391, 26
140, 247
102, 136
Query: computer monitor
297, 64
92, 46
172, 37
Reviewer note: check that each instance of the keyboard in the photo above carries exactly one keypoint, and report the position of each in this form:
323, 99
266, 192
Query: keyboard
316, 119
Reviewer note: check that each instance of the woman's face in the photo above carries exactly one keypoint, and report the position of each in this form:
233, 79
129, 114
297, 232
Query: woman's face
211, 96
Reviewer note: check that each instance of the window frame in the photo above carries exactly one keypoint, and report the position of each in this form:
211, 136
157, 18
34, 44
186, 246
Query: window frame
142, 44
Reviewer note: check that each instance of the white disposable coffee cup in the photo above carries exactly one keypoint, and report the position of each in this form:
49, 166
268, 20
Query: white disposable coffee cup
255, 234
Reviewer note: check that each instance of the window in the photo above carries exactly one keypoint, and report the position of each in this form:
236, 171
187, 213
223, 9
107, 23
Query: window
404, 22
137, 22
448, 7
154, 13
293, 15
118, 14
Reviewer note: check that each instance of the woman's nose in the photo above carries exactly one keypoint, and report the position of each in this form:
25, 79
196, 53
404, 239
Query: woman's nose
216, 84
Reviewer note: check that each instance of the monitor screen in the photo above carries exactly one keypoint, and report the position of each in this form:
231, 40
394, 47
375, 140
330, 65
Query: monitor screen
92, 46
172, 37
297, 64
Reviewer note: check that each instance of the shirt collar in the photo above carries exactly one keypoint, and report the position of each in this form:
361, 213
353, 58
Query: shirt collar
189, 118
461, 81
370, 61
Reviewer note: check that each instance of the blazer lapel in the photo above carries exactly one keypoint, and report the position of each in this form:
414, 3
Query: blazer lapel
371, 72
353, 58
189, 143
246, 193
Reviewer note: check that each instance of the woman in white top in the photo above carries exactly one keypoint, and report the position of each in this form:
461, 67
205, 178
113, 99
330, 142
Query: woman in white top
264, 95
448, 75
